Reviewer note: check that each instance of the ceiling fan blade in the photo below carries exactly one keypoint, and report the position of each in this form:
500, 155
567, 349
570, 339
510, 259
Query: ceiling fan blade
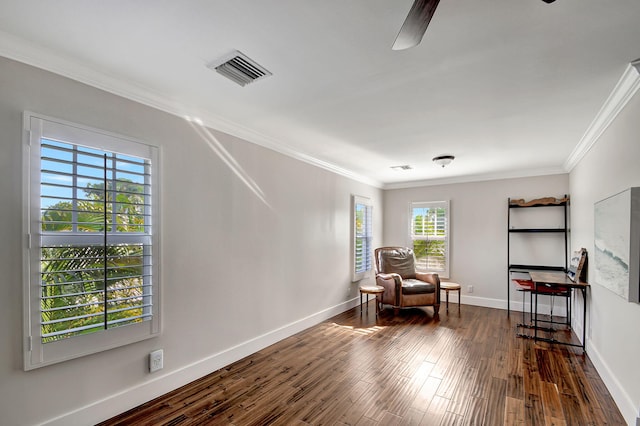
416, 24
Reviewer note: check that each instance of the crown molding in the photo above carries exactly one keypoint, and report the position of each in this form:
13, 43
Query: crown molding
524, 173
38, 56
624, 90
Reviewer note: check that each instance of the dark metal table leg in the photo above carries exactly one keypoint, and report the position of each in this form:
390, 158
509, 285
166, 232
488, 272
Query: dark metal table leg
584, 318
535, 318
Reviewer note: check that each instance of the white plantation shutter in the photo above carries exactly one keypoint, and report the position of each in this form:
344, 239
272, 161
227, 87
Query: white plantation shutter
93, 281
429, 233
96, 239
362, 237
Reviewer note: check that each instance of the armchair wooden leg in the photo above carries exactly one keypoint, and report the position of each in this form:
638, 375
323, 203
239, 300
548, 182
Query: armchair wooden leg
436, 309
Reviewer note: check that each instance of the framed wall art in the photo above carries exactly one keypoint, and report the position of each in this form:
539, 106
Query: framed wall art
617, 244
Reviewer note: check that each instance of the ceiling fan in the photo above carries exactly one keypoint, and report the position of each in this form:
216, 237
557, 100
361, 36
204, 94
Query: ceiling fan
416, 23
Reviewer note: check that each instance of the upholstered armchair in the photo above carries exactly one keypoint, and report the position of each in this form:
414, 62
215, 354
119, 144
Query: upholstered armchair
403, 285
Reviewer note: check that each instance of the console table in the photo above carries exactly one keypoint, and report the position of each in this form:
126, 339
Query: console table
554, 279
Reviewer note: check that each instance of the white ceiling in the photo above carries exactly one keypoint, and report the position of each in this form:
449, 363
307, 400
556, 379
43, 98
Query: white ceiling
507, 86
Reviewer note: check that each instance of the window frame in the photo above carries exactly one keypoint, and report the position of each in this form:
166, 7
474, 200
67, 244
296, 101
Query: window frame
445, 272
36, 353
358, 275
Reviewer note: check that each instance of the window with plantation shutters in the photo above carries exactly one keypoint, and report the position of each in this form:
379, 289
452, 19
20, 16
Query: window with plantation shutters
429, 232
92, 246
362, 237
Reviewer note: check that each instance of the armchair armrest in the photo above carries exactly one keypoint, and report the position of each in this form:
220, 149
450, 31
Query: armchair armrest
392, 284
430, 278
391, 276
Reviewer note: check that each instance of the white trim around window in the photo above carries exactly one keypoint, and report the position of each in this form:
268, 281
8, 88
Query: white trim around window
92, 248
362, 233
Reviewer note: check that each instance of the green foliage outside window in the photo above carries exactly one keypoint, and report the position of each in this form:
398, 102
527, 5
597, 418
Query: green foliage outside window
429, 234
88, 288
430, 254
362, 238
74, 289
429, 222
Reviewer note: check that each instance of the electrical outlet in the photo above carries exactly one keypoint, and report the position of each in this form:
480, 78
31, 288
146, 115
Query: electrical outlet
470, 288
156, 359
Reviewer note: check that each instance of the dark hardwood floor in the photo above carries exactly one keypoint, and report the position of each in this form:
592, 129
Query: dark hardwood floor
408, 369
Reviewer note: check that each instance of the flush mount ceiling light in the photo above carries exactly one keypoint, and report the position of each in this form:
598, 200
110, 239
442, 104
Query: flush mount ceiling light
443, 160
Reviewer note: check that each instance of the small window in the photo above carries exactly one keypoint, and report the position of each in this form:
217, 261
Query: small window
362, 238
429, 232
91, 225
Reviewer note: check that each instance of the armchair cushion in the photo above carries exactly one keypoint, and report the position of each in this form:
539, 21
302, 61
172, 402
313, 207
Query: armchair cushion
399, 260
412, 286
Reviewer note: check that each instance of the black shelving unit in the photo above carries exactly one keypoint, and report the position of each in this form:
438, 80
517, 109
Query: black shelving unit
563, 231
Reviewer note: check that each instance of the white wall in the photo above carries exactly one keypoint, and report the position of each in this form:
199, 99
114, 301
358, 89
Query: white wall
478, 230
238, 273
613, 335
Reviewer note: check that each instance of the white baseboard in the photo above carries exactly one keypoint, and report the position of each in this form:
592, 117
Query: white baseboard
159, 385
624, 402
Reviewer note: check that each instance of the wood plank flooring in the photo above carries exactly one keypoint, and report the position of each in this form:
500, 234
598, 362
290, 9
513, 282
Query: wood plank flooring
407, 369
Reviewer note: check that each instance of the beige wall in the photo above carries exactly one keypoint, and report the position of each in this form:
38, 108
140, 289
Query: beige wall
237, 272
613, 335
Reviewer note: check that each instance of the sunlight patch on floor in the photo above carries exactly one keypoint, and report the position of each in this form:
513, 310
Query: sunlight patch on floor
360, 330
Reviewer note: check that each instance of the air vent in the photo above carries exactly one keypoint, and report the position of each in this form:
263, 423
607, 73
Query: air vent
403, 167
240, 69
